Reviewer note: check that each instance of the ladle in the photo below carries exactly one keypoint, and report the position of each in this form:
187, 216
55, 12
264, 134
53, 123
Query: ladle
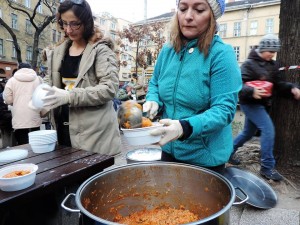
130, 113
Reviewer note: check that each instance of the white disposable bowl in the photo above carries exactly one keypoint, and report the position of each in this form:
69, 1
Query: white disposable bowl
42, 148
143, 155
141, 136
42, 133
38, 94
20, 182
42, 137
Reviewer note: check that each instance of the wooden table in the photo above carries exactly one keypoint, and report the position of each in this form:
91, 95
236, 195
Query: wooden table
61, 167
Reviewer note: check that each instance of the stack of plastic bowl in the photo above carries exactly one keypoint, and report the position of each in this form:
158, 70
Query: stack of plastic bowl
42, 141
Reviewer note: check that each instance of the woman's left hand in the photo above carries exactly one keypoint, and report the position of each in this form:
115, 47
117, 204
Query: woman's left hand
57, 97
296, 93
170, 132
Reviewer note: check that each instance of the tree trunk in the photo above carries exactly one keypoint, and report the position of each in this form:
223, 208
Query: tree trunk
285, 112
15, 40
35, 48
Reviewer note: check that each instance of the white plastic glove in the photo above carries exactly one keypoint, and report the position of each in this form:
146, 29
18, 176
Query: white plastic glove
57, 97
296, 93
170, 132
151, 108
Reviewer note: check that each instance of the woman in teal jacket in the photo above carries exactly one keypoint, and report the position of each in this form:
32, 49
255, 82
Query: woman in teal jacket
195, 83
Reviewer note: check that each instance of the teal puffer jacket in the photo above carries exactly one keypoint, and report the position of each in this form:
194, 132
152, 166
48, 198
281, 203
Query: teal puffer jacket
203, 91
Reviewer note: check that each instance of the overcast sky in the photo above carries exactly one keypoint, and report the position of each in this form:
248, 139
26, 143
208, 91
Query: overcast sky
132, 10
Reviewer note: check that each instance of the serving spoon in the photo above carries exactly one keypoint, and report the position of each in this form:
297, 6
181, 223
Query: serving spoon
130, 115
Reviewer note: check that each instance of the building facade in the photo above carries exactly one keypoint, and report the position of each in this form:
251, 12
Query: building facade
244, 23
23, 29
110, 27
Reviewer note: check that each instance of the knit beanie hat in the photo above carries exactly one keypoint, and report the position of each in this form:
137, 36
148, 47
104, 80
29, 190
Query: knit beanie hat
217, 6
269, 43
24, 65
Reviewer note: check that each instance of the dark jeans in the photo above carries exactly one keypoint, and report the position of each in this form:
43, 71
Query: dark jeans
22, 135
257, 118
168, 158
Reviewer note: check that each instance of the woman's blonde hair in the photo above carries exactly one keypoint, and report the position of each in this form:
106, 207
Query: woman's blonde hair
177, 39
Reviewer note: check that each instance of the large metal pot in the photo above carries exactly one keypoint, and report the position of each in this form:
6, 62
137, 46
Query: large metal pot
130, 188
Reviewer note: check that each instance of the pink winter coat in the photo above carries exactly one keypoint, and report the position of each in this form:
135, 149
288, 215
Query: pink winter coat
18, 92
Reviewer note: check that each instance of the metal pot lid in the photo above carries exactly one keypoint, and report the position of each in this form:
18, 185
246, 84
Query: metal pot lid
261, 195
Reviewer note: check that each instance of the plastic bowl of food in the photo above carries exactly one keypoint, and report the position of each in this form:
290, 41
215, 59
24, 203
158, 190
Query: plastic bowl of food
143, 155
141, 136
17, 177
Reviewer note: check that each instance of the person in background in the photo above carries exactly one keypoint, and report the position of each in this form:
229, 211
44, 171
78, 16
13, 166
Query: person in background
139, 87
254, 102
195, 84
126, 93
18, 93
83, 73
5, 119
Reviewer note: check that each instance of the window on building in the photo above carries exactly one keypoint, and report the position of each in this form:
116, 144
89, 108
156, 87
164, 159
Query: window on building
102, 21
222, 30
124, 57
237, 29
28, 3
253, 27
28, 27
14, 21
149, 59
143, 43
113, 36
269, 26
40, 8
253, 47
237, 52
39, 61
58, 36
14, 52
113, 26
1, 47
29, 53
53, 35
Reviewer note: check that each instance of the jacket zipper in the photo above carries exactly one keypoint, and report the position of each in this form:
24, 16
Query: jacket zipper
181, 59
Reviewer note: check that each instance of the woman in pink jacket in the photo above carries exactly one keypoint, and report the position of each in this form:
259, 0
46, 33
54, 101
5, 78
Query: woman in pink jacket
18, 92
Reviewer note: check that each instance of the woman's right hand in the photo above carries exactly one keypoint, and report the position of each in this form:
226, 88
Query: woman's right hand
151, 108
259, 93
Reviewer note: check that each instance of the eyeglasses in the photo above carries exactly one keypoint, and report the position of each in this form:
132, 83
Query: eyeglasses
72, 25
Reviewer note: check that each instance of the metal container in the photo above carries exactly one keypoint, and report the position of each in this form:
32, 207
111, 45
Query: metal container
143, 155
134, 187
